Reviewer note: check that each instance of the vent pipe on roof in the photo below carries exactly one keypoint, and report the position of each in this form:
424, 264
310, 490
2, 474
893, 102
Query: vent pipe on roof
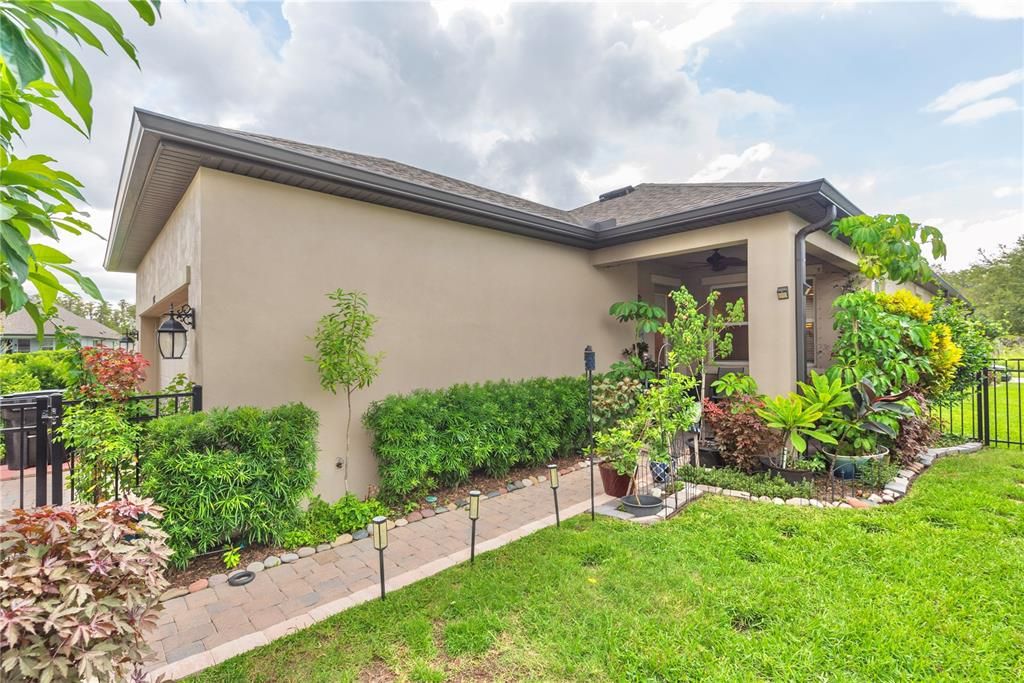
615, 194
801, 288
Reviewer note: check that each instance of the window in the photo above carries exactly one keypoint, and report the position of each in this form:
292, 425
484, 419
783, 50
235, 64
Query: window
729, 294
47, 344
24, 346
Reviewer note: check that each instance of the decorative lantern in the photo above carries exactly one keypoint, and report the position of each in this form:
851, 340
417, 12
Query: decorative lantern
172, 335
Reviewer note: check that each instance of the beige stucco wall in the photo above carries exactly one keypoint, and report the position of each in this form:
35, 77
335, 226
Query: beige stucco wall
456, 303
171, 272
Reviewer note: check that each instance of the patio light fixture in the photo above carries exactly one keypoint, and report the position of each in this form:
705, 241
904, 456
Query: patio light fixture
474, 514
172, 336
553, 477
380, 542
782, 293
128, 338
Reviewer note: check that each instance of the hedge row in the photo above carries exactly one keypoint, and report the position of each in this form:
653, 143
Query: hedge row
428, 439
229, 476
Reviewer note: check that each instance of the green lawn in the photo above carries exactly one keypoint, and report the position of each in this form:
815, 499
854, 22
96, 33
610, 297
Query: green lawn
931, 588
1006, 401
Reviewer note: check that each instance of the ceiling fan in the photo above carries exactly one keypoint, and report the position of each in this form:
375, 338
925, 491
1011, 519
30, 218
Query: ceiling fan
717, 262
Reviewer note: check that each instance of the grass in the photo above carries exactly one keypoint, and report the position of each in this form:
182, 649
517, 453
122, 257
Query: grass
929, 589
1006, 401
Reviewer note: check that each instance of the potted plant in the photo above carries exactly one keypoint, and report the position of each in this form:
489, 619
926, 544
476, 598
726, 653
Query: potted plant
857, 427
798, 421
619, 447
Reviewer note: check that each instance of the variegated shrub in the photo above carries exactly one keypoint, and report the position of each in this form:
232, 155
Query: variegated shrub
79, 586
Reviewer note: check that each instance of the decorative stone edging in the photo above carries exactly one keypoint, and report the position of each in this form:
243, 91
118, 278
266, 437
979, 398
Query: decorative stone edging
891, 492
423, 513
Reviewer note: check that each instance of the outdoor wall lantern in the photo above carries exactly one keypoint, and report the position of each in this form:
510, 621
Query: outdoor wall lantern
127, 341
782, 293
172, 336
474, 514
380, 542
553, 475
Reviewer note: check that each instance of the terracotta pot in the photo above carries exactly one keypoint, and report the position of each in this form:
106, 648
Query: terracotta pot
615, 484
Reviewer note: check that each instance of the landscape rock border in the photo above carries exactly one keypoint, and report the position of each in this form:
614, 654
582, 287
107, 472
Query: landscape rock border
891, 492
271, 561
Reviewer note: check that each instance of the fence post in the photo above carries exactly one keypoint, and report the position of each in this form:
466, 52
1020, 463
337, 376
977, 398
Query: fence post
197, 398
986, 436
979, 430
57, 454
42, 404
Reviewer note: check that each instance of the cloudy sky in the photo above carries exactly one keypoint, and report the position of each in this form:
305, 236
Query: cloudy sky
915, 108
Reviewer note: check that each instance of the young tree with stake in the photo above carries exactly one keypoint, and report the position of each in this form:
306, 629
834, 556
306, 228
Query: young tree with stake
342, 359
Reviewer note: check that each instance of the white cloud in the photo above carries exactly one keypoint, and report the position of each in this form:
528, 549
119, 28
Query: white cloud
965, 236
711, 18
1004, 191
725, 165
986, 109
972, 91
991, 9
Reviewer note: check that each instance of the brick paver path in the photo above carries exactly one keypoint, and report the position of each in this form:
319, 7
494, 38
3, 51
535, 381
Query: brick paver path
229, 619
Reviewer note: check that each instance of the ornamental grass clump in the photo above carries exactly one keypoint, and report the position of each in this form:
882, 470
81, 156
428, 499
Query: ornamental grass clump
79, 587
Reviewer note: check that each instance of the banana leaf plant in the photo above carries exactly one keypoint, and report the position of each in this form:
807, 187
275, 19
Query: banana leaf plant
798, 421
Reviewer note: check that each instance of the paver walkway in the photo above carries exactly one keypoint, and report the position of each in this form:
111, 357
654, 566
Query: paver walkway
203, 628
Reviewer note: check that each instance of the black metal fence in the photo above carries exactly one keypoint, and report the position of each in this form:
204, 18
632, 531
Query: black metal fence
31, 444
991, 411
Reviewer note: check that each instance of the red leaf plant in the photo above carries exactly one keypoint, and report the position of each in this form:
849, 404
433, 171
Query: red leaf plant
740, 432
114, 373
79, 586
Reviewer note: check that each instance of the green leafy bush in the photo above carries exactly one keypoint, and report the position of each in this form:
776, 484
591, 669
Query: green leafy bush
53, 369
438, 438
15, 377
762, 484
322, 522
229, 475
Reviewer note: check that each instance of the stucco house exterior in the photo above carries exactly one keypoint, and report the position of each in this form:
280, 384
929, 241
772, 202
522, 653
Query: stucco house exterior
469, 284
18, 333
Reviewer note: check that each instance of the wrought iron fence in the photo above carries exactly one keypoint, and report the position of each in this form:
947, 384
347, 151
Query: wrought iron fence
991, 411
31, 444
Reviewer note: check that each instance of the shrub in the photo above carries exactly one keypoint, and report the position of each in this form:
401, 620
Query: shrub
104, 443
53, 369
430, 438
975, 336
111, 373
322, 522
944, 357
762, 484
79, 586
902, 302
229, 475
15, 377
614, 401
740, 432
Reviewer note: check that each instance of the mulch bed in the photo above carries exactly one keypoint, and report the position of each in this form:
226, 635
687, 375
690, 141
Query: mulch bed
207, 565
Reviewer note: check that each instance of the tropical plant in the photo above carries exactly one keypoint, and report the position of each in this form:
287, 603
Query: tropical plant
887, 349
646, 318
855, 428
229, 476
37, 199
891, 246
232, 557
735, 384
825, 393
341, 356
79, 589
798, 421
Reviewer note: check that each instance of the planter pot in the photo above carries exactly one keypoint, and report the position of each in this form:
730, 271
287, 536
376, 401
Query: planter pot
709, 457
641, 506
615, 484
791, 476
847, 466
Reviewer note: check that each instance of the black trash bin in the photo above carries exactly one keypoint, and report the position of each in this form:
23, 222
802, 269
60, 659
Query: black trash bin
18, 413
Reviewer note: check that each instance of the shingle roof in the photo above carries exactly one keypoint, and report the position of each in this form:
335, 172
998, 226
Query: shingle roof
648, 200
412, 174
21, 324
654, 200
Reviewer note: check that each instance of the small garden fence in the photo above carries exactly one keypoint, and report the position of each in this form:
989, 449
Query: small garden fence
30, 423
991, 411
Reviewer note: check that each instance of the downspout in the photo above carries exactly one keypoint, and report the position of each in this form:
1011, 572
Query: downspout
800, 245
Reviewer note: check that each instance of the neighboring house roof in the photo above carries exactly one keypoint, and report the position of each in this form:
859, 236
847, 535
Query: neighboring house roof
20, 324
164, 154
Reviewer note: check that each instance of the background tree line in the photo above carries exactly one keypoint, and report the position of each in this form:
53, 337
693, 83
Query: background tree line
119, 316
